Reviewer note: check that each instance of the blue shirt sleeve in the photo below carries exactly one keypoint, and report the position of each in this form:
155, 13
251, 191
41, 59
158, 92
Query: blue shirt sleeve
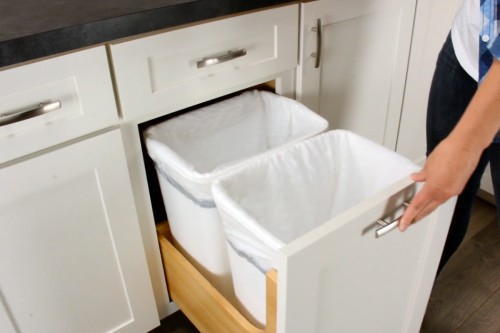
495, 47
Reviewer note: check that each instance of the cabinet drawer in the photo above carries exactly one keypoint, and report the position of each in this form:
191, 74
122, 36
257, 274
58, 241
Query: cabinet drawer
338, 277
80, 82
172, 70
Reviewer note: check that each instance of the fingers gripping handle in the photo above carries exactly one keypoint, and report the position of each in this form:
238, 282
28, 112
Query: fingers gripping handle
388, 226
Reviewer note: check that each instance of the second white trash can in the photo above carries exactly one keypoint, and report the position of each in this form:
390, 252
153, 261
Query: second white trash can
191, 150
272, 201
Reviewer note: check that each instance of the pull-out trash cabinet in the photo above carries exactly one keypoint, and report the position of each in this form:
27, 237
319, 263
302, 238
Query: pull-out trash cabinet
313, 211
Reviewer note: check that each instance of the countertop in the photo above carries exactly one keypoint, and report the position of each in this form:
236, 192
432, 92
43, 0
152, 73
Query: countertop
32, 29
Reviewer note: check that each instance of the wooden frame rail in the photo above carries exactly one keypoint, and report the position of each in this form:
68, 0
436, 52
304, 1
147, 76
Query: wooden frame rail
205, 307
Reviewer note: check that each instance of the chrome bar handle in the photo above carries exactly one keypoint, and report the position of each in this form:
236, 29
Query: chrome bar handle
16, 116
389, 226
230, 55
317, 54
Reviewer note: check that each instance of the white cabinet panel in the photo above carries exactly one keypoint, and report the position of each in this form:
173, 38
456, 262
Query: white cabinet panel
160, 73
359, 84
71, 256
433, 21
80, 81
340, 278
487, 185
6, 324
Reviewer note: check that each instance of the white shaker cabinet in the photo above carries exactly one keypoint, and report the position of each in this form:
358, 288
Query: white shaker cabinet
71, 253
168, 71
346, 272
433, 20
363, 48
71, 256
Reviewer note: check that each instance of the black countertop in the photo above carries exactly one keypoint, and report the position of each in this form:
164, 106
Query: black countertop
32, 29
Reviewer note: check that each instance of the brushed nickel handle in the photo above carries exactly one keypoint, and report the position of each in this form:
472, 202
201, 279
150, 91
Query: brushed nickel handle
317, 54
230, 55
16, 116
389, 226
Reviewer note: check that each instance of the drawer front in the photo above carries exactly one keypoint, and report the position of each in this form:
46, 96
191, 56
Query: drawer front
355, 281
78, 90
169, 71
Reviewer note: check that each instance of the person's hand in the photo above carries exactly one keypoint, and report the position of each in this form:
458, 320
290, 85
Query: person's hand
445, 173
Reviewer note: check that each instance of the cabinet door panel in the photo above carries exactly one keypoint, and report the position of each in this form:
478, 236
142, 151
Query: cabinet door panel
160, 73
433, 21
79, 81
340, 278
71, 257
359, 84
6, 324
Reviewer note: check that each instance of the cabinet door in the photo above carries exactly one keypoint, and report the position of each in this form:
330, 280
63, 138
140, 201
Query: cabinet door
71, 256
433, 21
340, 278
364, 49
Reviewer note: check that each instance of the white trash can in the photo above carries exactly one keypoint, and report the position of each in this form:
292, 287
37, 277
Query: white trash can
191, 150
277, 198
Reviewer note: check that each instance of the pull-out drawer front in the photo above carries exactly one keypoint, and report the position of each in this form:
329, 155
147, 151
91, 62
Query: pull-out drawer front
78, 90
169, 71
355, 282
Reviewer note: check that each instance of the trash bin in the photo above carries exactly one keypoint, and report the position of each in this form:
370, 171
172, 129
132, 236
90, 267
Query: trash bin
277, 198
191, 150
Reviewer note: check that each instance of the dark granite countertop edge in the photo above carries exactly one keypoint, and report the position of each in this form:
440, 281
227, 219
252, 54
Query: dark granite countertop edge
50, 43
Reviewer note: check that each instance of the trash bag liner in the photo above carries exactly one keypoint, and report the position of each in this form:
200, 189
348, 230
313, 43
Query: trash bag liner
196, 147
268, 203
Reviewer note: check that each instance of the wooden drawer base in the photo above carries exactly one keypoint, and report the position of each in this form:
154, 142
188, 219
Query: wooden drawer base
205, 307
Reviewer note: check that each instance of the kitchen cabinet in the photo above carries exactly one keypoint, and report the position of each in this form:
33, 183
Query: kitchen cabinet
358, 85
433, 20
363, 48
76, 210
162, 73
360, 91
71, 255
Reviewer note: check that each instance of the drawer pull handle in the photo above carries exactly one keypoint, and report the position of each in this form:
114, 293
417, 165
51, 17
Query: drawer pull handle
230, 55
389, 226
15, 116
317, 54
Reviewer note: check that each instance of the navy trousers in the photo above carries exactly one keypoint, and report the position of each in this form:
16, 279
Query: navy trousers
451, 91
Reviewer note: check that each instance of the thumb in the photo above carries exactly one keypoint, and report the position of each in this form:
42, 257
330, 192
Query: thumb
418, 176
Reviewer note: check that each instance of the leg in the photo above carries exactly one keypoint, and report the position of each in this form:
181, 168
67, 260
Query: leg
463, 211
451, 91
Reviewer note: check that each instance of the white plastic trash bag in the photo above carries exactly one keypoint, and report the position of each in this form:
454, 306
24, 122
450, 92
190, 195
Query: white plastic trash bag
268, 203
196, 147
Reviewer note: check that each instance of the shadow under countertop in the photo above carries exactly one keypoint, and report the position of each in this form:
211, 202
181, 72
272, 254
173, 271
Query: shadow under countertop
32, 29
